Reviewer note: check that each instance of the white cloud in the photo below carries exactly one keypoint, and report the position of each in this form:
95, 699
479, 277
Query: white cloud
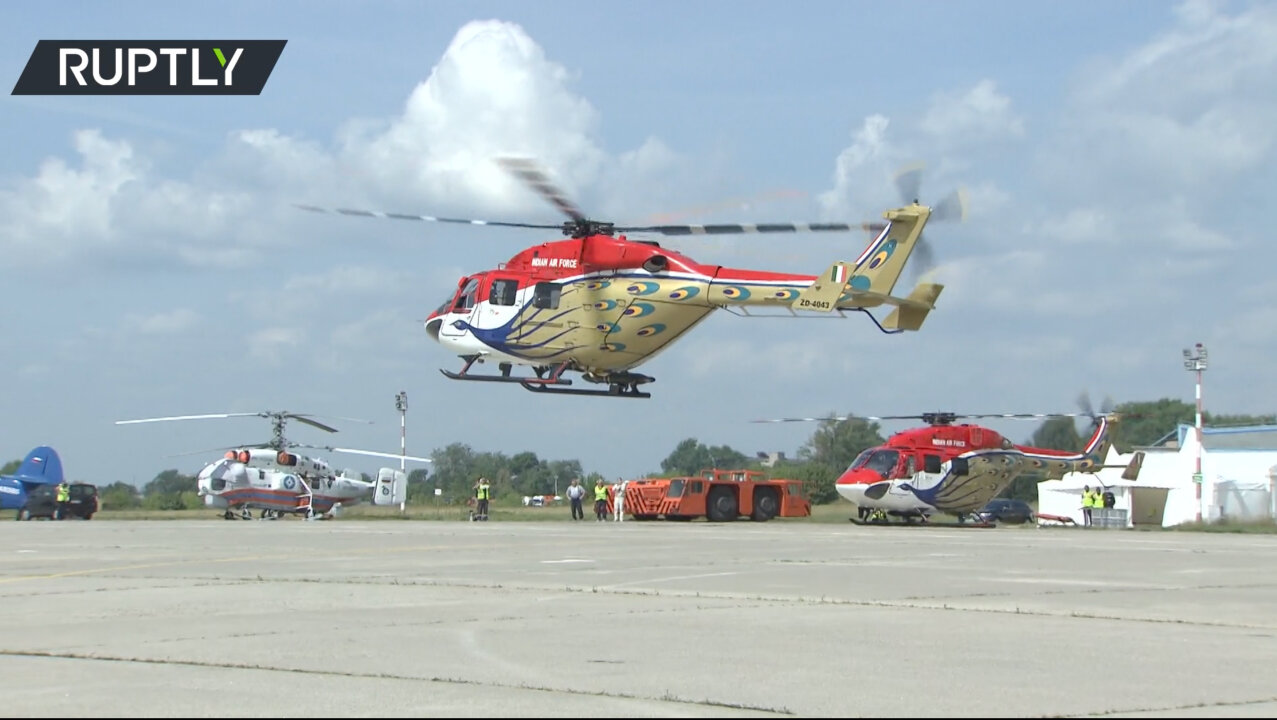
164, 323
494, 93
1079, 225
275, 344
981, 113
1192, 105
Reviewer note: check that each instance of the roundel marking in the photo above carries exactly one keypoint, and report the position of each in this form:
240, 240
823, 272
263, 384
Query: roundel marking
860, 282
883, 253
597, 284
786, 294
653, 329
613, 347
289, 482
606, 305
736, 292
607, 327
639, 309
643, 287
685, 292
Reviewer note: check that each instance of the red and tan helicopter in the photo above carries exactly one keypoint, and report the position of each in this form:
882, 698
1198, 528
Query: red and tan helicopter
601, 304
957, 469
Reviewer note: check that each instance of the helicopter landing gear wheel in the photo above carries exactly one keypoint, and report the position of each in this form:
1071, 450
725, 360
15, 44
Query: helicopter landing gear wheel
228, 515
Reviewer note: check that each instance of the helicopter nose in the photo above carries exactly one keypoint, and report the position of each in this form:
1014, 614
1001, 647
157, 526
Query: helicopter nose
854, 484
432, 326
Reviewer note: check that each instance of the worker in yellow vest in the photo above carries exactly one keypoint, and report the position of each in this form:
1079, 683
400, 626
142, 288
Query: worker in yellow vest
1088, 502
482, 493
600, 500
64, 499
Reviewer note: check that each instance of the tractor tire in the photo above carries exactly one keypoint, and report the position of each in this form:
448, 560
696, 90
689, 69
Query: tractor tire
721, 505
766, 504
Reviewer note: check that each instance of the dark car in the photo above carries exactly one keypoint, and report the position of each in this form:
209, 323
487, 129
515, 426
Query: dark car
42, 501
1012, 512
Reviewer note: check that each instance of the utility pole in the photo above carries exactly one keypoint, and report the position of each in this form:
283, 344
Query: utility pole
401, 404
1196, 362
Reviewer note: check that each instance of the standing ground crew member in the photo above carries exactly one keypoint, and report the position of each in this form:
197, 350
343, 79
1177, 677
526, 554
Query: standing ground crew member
1088, 502
482, 493
576, 493
64, 499
600, 500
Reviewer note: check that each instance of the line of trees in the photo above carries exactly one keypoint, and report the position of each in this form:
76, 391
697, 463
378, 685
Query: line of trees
826, 454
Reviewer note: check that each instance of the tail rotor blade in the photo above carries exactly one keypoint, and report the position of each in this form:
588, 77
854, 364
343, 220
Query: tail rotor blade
952, 208
909, 183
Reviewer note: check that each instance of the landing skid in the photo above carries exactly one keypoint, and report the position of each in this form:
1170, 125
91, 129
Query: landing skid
880, 523
550, 380
463, 375
613, 391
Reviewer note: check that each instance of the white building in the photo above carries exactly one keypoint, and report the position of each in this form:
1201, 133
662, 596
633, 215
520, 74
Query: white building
1239, 471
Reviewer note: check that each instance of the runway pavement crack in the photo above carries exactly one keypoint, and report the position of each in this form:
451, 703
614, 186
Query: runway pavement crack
666, 698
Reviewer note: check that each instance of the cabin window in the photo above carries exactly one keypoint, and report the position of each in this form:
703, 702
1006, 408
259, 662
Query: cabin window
698, 487
676, 489
503, 292
931, 463
546, 296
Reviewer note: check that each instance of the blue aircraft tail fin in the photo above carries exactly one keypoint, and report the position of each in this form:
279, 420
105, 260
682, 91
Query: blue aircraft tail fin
42, 465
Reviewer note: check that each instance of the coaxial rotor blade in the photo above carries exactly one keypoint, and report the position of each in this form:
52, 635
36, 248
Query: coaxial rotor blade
374, 453
312, 423
185, 417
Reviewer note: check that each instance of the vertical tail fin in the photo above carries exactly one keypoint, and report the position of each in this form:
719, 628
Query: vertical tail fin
391, 487
879, 266
42, 465
869, 280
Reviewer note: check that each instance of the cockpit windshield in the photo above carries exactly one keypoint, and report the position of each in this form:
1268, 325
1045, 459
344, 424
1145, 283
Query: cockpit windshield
880, 461
463, 300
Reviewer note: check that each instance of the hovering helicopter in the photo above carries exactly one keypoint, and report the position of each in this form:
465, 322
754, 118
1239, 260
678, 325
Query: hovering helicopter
271, 478
957, 469
600, 304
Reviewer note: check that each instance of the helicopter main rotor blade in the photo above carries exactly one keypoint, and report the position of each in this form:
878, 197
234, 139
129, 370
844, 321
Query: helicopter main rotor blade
427, 218
530, 173
925, 416
392, 456
354, 451
751, 228
185, 417
313, 423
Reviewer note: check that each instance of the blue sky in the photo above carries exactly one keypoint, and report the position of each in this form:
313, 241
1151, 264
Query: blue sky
1118, 157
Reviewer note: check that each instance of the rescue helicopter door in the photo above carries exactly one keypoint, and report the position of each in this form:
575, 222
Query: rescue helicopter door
502, 301
462, 309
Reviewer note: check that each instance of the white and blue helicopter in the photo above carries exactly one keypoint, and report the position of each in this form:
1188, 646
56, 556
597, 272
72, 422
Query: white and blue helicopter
270, 477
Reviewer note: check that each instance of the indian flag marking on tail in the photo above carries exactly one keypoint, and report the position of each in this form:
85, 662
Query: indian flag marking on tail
839, 275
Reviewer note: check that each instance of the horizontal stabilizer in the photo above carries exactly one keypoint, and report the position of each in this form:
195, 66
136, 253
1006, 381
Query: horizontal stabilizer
909, 313
1132, 471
